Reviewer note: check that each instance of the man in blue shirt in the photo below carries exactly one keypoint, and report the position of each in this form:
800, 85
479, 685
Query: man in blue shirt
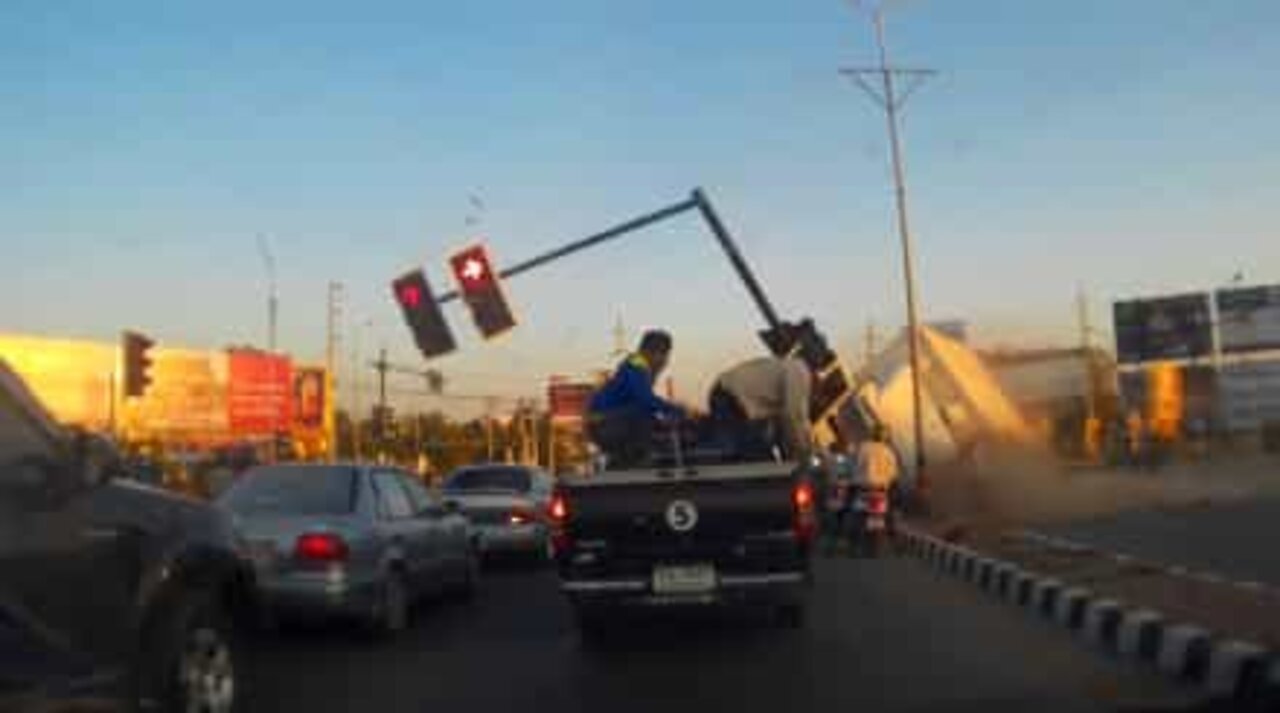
622, 413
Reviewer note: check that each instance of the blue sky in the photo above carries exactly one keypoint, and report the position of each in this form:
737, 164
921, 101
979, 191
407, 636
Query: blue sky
1128, 147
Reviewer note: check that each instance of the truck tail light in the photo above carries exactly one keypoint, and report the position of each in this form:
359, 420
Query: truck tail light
877, 502
558, 512
320, 547
805, 522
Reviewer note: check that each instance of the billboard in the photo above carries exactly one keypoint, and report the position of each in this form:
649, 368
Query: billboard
1175, 327
310, 397
259, 393
186, 400
568, 399
1249, 318
1250, 394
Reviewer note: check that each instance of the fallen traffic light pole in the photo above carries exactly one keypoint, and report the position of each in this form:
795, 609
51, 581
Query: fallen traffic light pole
696, 201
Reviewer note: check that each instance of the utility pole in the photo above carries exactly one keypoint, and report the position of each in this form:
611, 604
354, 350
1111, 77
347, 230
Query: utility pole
1086, 356
488, 429
619, 339
273, 298
869, 344
333, 319
381, 365
889, 99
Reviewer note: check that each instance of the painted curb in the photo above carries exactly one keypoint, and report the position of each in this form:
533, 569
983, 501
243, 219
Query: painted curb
1183, 651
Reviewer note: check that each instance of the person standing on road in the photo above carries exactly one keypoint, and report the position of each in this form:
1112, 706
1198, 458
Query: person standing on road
762, 402
622, 413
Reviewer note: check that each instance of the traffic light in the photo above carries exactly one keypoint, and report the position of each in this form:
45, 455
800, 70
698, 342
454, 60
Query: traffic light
813, 348
827, 392
418, 304
137, 363
803, 340
481, 290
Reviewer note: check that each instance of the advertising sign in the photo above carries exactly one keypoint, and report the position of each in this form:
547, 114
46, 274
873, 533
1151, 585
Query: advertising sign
568, 399
1176, 327
1249, 318
259, 393
1250, 394
309, 397
186, 399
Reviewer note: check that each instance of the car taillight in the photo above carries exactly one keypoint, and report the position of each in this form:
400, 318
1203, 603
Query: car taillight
804, 522
320, 547
521, 516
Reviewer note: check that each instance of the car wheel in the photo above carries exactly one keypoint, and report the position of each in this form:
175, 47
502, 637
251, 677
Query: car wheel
471, 574
392, 615
548, 550
191, 660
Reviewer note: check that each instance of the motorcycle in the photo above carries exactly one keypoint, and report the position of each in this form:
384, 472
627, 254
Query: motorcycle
869, 527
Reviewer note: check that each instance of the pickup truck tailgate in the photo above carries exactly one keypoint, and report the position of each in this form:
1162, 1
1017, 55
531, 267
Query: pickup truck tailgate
739, 518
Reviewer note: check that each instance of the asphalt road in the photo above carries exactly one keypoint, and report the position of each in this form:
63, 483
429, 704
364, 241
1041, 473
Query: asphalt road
883, 635
1233, 538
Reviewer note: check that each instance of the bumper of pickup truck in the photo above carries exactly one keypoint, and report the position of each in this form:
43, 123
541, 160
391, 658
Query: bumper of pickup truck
771, 587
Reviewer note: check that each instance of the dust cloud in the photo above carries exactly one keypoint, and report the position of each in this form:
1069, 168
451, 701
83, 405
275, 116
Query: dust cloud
1012, 489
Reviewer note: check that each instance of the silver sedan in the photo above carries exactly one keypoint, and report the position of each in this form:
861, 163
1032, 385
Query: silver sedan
349, 540
507, 505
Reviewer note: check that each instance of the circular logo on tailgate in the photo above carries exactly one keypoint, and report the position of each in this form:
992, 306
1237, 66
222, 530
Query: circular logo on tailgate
682, 515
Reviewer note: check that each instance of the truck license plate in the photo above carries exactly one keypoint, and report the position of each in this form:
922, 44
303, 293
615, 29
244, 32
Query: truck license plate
684, 579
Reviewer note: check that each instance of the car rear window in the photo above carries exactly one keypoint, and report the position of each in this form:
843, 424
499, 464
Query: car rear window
293, 490
489, 479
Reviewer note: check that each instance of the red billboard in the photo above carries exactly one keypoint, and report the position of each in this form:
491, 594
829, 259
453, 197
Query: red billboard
259, 393
568, 399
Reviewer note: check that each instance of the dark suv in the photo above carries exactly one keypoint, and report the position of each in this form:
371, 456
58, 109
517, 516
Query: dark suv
114, 595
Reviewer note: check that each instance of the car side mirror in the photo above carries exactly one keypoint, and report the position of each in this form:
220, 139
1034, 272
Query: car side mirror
452, 507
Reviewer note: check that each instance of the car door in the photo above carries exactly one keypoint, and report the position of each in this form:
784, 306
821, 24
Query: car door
60, 538
400, 528
448, 529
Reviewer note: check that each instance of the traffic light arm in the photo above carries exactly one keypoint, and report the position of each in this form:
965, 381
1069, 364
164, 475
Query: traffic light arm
614, 232
698, 200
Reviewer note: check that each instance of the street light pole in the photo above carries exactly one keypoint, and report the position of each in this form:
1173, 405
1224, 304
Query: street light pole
888, 97
273, 298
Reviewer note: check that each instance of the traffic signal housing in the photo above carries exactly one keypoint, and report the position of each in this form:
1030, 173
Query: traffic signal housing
421, 311
481, 290
137, 363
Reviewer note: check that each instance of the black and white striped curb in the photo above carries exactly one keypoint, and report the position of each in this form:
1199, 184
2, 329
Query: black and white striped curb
1226, 668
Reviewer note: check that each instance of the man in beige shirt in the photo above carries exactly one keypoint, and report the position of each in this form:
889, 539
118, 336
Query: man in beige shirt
765, 401
877, 465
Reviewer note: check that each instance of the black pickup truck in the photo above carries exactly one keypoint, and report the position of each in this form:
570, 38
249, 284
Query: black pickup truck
685, 535
114, 595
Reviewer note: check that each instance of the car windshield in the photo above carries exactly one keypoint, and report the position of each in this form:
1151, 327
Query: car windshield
293, 490
503, 480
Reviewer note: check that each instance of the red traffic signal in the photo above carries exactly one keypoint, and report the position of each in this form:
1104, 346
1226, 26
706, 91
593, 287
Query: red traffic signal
137, 363
481, 290
421, 311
